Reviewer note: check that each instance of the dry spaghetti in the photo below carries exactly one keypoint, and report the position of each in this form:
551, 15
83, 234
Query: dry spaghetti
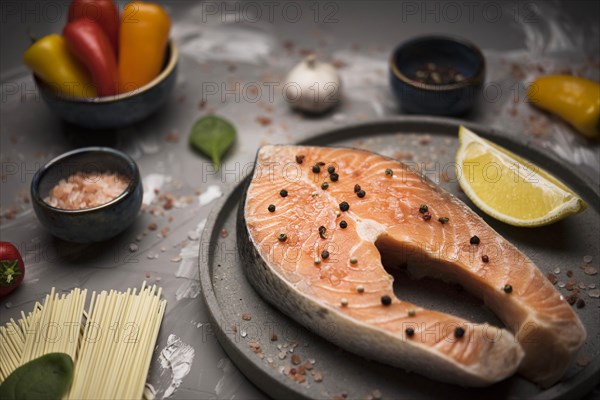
111, 343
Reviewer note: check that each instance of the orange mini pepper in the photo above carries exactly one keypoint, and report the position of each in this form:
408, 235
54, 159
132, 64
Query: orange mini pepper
144, 35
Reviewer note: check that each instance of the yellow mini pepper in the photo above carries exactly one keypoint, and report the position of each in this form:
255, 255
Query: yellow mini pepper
50, 61
144, 34
574, 99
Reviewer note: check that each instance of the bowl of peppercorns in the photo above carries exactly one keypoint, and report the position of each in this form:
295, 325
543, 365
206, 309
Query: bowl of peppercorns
437, 75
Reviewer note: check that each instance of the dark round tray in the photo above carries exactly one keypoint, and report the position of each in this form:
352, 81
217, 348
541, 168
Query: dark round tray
247, 338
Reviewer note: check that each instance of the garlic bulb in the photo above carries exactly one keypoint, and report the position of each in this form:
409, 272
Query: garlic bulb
313, 86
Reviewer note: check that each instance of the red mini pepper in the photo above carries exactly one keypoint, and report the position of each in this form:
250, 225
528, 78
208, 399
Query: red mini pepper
12, 268
90, 45
104, 12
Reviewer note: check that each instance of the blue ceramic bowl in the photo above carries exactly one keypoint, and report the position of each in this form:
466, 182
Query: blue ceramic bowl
437, 99
115, 111
91, 224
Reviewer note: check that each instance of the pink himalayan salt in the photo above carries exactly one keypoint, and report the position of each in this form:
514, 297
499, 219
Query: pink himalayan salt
81, 191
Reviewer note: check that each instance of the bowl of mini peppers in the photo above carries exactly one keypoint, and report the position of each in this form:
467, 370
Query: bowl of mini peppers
107, 69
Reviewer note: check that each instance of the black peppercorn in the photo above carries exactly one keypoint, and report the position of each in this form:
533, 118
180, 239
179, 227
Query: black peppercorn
283, 193
324, 254
356, 188
316, 169
334, 177
331, 170
386, 300
474, 240
343, 224
410, 332
323, 232
344, 206
271, 208
361, 193
459, 332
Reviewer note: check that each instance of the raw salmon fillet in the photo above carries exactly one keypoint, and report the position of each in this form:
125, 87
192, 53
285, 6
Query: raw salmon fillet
283, 251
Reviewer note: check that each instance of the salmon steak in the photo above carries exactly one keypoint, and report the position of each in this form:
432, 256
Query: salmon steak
318, 224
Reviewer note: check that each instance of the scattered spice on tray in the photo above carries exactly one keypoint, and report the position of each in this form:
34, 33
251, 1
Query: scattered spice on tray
582, 361
338, 64
288, 45
224, 233
152, 226
264, 121
589, 270
172, 137
80, 191
246, 317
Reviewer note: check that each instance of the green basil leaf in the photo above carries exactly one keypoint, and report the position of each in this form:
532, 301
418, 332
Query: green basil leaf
47, 377
213, 136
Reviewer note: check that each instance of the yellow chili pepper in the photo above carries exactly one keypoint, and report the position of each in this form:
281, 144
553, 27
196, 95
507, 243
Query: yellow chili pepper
50, 61
144, 34
576, 100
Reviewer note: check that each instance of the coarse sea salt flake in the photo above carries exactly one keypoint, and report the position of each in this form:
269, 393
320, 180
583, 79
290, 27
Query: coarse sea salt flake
86, 190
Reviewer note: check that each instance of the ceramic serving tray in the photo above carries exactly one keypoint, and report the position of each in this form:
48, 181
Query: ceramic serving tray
287, 361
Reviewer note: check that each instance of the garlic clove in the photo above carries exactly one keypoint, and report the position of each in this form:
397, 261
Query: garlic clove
313, 86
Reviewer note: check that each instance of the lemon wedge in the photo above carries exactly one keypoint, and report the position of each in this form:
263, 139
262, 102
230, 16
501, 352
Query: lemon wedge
509, 188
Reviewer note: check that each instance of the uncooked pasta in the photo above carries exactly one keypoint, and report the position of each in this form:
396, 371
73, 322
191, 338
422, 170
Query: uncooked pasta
111, 343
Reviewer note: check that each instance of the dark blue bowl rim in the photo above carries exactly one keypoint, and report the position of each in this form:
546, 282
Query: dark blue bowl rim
166, 71
129, 190
476, 79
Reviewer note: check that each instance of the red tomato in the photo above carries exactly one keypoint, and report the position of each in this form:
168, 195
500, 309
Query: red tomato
12, 269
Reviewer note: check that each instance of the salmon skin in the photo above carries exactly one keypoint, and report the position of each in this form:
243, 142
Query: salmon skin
304, 201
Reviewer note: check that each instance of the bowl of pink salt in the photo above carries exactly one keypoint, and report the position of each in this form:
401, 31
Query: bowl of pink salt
87, 195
